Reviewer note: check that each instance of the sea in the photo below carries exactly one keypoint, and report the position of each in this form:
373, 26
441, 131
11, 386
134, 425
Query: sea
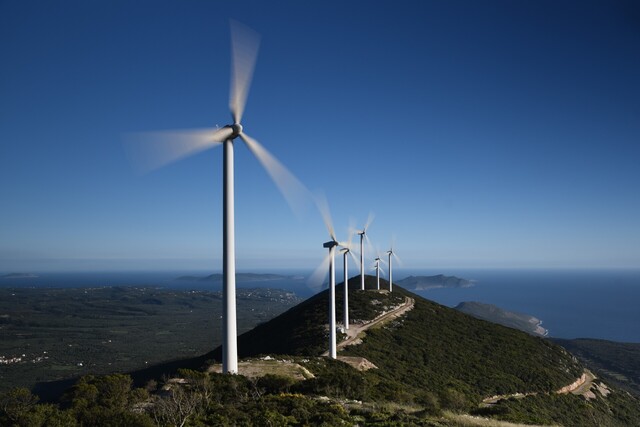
587, 303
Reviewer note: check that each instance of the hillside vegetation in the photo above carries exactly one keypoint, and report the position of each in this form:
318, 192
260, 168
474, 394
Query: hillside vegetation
433, 363
618, 362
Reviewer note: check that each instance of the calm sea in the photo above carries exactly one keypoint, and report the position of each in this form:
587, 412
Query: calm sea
571, 303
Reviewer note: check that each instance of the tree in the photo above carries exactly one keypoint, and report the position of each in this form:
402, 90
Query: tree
16, 403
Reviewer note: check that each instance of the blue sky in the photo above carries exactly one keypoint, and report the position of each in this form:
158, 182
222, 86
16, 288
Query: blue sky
481, 134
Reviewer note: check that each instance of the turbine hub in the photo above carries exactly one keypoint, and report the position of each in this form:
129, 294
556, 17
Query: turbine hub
237, 130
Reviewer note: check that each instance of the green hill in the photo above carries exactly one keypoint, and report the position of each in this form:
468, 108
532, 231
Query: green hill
618, 362
435, 355
432, 364
430, 348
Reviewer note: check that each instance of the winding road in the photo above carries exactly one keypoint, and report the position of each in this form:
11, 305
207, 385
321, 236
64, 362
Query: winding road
354, 333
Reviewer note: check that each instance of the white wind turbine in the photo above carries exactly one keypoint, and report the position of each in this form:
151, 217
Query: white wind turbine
152, 150
346, 251
320, 273
391, 255
363, 234
377, 267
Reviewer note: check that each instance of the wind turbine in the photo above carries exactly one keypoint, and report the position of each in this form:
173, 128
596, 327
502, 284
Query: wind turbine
153, 150
363, 234
319, 274
392, 255
377, 267
346, 251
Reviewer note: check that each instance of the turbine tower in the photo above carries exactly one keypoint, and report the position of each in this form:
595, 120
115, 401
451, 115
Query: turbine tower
377, 260
390, 253
331, 245
152, 150
320, 272
345, 253
363, 235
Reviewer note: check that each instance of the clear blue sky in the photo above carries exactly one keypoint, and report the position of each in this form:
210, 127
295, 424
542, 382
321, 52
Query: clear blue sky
481, 133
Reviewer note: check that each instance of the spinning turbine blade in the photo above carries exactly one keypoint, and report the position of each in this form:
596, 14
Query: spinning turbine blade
316, 279
151, 150
295, 193
353, 257
369, 221
397, 258
323, 207
369, 245
244, 49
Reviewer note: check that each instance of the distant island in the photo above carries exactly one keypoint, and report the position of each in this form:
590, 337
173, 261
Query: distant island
492, 313
240, 277
19, 276
422, 283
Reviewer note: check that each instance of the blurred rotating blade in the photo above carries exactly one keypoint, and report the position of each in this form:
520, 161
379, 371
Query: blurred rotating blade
369, 221
397, 258
316, 280
148, 151
353, 257
368, 245
323, 207
244, 50
294, 191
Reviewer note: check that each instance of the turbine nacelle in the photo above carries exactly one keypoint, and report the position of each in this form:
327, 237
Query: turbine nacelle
330, 244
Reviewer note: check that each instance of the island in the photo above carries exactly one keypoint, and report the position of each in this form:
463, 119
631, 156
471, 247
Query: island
423, 283
18, 276
524, 322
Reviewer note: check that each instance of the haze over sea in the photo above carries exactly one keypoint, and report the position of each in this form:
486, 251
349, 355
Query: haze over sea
571, 303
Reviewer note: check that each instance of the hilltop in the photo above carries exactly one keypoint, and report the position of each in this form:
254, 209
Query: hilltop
435, 354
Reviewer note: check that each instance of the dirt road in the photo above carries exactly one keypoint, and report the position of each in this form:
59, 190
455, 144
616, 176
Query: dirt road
354, 333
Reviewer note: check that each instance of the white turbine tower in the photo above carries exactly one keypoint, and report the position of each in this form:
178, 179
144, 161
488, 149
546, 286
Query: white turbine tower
331, 245
320, 273
377, 261
363, 234
391, 255
153, 150
345, 253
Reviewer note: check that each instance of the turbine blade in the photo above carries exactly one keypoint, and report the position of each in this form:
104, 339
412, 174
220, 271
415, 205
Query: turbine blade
323, 207
151, 150
369, 221
352, 230
353, 257
244, 50
316, 279
350, 233
294, 191
397, 258
369, 246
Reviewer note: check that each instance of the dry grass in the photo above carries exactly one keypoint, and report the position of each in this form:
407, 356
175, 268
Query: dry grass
260, 367
465, 420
